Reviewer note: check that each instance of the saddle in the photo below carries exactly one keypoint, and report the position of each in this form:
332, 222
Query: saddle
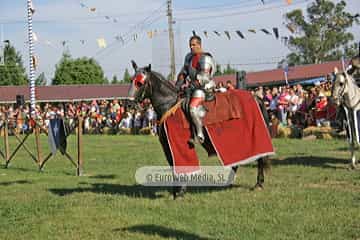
224, 107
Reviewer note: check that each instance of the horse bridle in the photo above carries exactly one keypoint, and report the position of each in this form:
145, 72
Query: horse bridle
144, 87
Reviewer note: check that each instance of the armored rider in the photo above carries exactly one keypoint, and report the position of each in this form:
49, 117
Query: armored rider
196, 80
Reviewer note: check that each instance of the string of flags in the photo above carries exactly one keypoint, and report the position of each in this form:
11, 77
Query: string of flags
94, 10
230, 35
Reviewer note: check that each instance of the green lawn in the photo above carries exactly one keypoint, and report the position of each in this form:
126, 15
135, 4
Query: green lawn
309, 194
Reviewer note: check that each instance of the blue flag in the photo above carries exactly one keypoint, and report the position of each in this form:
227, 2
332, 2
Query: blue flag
57, 136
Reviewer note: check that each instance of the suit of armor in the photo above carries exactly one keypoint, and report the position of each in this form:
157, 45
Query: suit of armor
197, 75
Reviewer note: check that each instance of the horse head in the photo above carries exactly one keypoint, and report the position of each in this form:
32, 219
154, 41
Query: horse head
140, 83
340, 86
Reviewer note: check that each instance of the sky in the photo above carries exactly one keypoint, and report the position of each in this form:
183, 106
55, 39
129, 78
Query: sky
75, 26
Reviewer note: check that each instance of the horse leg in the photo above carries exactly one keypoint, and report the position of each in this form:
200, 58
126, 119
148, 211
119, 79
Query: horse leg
232, 175
353, 156
260, 175
177, 191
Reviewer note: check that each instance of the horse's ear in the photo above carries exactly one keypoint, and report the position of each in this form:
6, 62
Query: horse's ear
133, 63
336, 70
148, 68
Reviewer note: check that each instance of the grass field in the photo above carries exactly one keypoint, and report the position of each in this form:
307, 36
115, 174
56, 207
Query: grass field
309, 194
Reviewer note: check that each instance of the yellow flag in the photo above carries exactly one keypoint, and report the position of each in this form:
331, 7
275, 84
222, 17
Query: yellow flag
101, 42
150, 34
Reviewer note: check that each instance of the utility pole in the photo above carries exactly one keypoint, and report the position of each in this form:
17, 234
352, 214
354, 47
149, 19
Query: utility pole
171, 40
2, 48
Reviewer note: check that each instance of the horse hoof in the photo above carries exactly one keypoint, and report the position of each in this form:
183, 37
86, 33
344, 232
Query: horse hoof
351, 167
258, 187
191, 143
179, 192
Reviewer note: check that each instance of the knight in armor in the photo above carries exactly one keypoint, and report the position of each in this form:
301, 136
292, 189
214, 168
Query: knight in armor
196, 81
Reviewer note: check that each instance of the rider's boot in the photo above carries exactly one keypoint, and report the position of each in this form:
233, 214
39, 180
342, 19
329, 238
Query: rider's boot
197, 114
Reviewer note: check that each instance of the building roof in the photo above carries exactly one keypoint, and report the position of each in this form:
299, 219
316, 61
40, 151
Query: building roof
65, 93
277, 76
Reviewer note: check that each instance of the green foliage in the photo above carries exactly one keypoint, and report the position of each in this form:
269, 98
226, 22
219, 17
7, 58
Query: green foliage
78, 71
226, 71
127, 77
322, 35
13, 71
114, 80
218, 70
41, 80
229, 70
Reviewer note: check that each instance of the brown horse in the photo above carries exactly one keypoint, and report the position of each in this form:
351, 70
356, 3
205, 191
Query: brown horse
163, 96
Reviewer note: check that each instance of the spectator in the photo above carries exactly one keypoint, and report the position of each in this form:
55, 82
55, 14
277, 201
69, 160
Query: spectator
229, 85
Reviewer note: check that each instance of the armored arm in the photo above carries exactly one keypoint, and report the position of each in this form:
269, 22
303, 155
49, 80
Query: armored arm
184, 73
207, 70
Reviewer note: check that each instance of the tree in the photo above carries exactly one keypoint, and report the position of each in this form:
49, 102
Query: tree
323, 35
13, 71
41, 80
229, 70
127, 77
78, 71
114, 80
218, 70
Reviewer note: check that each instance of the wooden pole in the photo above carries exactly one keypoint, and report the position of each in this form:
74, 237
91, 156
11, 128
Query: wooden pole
38, 147
6, 138
79, 147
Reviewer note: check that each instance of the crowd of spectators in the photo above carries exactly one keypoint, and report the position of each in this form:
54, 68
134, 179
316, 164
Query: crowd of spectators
294, 105
98, 116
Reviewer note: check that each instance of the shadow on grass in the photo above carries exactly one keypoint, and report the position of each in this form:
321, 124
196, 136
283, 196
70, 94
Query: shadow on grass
136, 191
154, 230
20, 169
314, 161
15, 182
104, 176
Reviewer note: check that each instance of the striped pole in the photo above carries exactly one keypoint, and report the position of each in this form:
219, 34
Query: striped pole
31, 59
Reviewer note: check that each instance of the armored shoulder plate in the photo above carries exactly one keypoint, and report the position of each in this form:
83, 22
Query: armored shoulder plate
207, 64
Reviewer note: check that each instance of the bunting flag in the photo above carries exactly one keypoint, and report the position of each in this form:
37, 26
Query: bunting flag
35, 61
288, 1
217, 33
35, 38
291, 27
47, 42
32, 9
240, 34
227, 34
265, 31
57, 136
101, 42
120, 38
252, 30
276, 32
63, 43
150, 34
285, 40
82, 41
206, 34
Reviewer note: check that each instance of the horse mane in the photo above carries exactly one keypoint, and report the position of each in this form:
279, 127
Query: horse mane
164, 81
